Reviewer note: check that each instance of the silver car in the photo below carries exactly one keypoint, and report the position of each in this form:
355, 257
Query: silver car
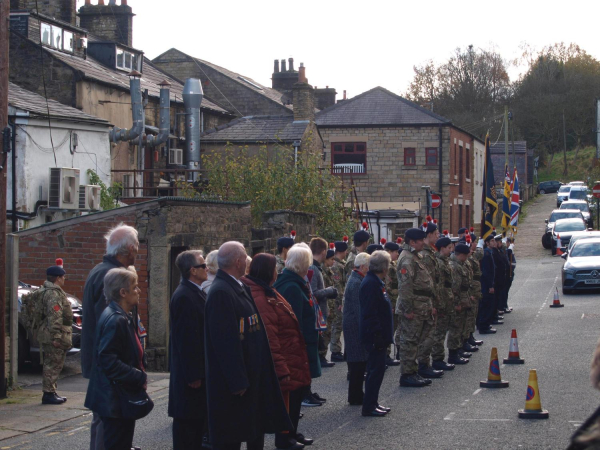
564, 228
558, 214
562, 194
581, 205
581, 270
582, 235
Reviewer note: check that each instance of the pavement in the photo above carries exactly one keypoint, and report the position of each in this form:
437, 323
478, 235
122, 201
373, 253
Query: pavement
455, 412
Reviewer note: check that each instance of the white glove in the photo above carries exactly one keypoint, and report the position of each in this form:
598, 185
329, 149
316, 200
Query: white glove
480, 243
511, 247
504, 241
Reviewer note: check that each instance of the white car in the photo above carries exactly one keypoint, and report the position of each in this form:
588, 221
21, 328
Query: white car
582, 267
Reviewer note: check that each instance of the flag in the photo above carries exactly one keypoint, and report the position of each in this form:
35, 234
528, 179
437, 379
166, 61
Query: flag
506, 199
514, 206
489, 201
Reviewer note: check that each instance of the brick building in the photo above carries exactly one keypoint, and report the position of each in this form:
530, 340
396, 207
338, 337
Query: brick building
389, 147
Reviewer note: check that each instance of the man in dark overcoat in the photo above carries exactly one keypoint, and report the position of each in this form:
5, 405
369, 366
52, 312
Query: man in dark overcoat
487, 303
244, 398
187, 384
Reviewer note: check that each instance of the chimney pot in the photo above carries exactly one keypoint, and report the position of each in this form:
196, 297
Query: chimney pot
88, 2
344, 94
291, 61
302, 74
123, 2
326, 87
101, 2
283, 65
276, 66
112, 2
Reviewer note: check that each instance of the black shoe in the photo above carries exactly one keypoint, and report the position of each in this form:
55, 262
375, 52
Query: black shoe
384, 408
429, 372
464, 354
413, 380
64, 399
325, 363
455, 358
318, 398
391, 362
474, 341
50, 398
426, 380
508, 310
375, 413
310, 401
442, 365
355, 403
497, 322
338, 357
303, 440
489, 330
284, 441
301, 415
470, 348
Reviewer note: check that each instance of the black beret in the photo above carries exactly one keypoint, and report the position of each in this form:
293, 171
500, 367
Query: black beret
373, 247
489, 237
330, 254
391, 246
462, 248
361, 236
285, 242
431, 227
462, 230
341, 246
55, 271
443, 242
414, 234
473, 237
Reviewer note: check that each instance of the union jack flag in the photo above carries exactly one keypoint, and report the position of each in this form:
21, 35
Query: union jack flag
514, 204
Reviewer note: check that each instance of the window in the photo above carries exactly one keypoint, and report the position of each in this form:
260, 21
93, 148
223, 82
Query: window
460, 225
455, 154
431, 156
349, 158
409, 157
56, 37
460, 171
128, 61
67, 41
467, 163
467, 215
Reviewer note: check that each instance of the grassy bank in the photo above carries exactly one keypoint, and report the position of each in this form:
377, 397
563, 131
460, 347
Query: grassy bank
578, 169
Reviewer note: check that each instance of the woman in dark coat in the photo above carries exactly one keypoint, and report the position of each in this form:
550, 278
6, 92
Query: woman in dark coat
285, 338
119, 358
355, 351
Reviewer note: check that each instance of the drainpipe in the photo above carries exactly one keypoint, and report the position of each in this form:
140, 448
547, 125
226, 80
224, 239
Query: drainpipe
192, 98
122, 134
440, 170
165, 117
378, 225
13, 126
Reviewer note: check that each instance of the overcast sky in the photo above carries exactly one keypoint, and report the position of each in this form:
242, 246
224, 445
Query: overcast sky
351, 45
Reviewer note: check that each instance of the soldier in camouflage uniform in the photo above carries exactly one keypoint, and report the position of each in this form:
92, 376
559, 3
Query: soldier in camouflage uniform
474, 258
461, 285
391, 287
361, 241
331, 309
283, 245
417, 315
55, 333
339, 282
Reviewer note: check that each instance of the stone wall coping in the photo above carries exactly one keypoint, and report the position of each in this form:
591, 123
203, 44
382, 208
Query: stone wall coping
289, 211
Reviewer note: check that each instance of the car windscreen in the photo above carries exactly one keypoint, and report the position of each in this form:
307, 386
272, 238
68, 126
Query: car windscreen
564, 189
564, 215
578, 194
586, 249
583, 207
569, 226
583, 236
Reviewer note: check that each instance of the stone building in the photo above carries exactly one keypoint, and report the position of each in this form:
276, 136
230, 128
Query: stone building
388, 148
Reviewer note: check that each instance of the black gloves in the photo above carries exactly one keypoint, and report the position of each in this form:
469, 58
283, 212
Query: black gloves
330, 292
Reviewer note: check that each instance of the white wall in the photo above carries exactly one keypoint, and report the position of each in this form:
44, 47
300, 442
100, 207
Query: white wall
35, 158
478, 167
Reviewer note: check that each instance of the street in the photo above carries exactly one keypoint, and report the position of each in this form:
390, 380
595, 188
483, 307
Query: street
454, 412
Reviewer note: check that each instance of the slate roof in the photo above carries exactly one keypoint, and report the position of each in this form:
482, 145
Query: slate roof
377, 107
258, 129
36, 105
498, 147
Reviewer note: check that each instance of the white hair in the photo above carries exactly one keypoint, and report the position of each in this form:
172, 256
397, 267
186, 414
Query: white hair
211, 262
361, 259
119, 239
229, 253
379, 261
299, 258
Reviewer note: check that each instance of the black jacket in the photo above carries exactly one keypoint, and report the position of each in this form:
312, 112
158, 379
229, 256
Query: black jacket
238, 356
94, 303
488, 271
376, 321
186, 352
117, 360
501, 272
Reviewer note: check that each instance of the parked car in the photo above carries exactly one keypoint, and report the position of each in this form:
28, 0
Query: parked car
582, 235
581, 205
578, 193
546, 187
565, 228
576, 183
29, 348
557, 214
562, 194
582, 267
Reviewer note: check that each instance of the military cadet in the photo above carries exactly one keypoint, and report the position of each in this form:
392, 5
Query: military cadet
461, 284
445, 310
361, 241
374, 248
461, 233
283, 245
415, 308
470, 316
328, 280
474, 258
487, 304
55, 333
339, 282
391, 287
501, 263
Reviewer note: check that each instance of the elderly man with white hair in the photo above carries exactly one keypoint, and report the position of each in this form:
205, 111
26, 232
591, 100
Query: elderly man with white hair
121, 249
244, 397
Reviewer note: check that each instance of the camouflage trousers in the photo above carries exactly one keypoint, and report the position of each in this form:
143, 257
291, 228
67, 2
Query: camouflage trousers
472, 318
413, 333
456, 332
54, 360
396, 337
442, 326
336, 330
325, 337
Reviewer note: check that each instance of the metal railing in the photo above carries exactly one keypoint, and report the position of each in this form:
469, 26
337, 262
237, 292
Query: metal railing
156, 182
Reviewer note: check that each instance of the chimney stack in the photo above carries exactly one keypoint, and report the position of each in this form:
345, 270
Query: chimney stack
344, 94
283, 66
111, 22
301, 73
291, 61
303, 98
276, 66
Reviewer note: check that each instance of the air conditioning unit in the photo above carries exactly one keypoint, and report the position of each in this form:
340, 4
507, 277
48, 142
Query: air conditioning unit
89, 197
63, 190
176, 156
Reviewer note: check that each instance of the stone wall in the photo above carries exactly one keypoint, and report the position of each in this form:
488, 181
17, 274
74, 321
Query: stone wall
280, 223
64, 10
111, 22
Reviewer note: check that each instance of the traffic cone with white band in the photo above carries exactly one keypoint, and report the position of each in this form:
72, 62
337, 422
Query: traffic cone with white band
556, 303
513, 351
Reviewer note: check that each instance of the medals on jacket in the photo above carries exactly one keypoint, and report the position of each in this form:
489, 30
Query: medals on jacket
253, 325
242, 322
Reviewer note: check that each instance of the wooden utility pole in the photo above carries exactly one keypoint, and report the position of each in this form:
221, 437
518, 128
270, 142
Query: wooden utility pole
566, 171
4, 18
505, 140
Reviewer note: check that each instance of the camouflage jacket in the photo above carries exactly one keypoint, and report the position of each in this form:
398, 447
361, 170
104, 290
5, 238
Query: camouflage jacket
447, 299
461, 282
476, 270
431, 263
58, 317
280, 265
391, 284
327, 282
339, 280
416, 290
350, 261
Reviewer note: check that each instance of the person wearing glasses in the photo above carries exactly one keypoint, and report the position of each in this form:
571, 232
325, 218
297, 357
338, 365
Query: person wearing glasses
187, 385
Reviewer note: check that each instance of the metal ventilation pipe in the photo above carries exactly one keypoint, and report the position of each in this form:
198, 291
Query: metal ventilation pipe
137, 111
165, 117
192, 98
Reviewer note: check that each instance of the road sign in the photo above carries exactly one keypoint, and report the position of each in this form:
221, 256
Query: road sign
436, 201
596, 191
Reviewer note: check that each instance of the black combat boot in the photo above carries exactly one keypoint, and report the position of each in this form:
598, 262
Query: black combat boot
337, 357
469, 348
442, 365
428, 372
455, 358
464, 354
50, 398
413, 380
474, 341
391, 362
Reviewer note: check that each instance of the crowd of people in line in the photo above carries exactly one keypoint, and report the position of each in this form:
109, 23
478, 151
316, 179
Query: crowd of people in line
249, 336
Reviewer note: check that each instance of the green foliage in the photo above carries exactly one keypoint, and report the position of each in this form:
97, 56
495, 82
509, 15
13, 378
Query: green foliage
580, 168
108, 195
268, 179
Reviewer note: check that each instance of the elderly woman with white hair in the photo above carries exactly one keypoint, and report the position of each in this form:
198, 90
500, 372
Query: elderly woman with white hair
211, 267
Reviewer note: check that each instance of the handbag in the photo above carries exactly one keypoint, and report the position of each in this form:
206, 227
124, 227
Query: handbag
135, 403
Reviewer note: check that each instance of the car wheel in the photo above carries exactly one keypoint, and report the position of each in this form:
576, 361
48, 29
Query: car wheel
23, 347
566, 291
542, 191
546, 241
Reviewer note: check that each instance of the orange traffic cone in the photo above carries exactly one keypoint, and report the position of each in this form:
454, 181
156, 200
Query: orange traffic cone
513, 351
559, 251
494, 379
533, 405
556, 303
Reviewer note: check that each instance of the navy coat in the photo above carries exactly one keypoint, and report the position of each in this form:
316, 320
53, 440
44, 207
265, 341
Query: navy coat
376, 319
354, 350
238, 356
488, 271
501, 264
186, 352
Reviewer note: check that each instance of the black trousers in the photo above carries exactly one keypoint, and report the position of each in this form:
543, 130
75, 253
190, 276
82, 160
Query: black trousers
355, 386
118, 433
375, 372
257, 444
487, 311
188, 433
499, 299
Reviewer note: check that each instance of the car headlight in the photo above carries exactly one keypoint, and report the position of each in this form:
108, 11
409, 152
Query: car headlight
569, 272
